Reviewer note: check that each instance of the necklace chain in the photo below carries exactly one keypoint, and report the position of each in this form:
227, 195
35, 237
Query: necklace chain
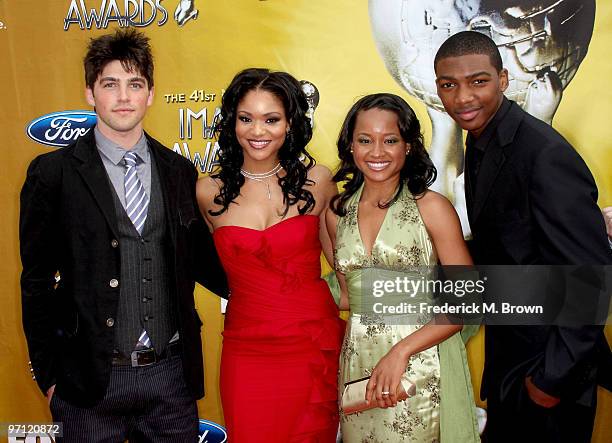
254, 176
260, 177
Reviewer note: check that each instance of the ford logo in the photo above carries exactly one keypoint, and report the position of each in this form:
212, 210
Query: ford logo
61, 129
210, 432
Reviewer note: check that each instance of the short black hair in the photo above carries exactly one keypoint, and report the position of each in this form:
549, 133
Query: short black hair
467, 43
128, 46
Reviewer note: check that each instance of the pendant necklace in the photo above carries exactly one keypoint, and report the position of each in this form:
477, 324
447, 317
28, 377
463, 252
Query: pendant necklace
261, 177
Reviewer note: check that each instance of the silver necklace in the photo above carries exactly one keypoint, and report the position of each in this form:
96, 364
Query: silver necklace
261, 177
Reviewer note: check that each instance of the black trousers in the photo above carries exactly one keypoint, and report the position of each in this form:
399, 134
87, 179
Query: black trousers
519, 419
145, 404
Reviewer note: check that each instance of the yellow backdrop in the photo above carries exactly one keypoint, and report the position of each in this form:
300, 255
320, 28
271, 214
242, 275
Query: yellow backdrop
328, 43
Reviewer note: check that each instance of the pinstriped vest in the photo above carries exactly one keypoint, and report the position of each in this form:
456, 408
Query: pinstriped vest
145, 301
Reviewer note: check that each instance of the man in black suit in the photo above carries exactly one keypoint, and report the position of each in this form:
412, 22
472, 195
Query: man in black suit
531, 200
111, 243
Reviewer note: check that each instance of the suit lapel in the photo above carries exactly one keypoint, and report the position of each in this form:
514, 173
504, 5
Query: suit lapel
94, 175
169, 180
468, 185
495, 156
492, 163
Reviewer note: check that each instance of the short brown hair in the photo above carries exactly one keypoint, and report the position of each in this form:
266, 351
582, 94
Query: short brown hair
128, 46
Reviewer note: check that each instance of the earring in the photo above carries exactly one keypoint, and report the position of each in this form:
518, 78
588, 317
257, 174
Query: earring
407, 151
351, 150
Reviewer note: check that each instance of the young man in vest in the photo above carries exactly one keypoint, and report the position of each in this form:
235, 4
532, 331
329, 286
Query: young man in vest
111, 243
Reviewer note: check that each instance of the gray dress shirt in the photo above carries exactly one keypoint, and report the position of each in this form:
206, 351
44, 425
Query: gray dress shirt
112, 158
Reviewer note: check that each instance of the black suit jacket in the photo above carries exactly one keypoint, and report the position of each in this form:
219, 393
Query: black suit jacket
535, 203
68, 227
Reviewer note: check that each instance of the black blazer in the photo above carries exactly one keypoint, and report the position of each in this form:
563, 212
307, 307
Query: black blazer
68, 227
535, 202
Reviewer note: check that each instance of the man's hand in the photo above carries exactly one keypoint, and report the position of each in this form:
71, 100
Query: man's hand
50, 392
540, 397
607, 213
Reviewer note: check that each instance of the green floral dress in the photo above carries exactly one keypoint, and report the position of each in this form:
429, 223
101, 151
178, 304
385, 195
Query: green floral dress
403, 245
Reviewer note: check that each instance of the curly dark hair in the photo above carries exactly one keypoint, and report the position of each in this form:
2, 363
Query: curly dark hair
293, 157
128, 46
418, 171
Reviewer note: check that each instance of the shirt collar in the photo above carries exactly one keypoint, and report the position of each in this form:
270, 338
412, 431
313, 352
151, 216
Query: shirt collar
115, 153
481, 142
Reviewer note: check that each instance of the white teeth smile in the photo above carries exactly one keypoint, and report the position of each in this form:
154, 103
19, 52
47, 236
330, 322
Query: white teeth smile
259, 144
377, 166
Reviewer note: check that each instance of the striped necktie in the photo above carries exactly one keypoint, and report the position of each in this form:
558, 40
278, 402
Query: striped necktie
136, 198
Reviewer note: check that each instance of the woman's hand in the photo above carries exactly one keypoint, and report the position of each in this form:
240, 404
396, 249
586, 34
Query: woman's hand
386, 377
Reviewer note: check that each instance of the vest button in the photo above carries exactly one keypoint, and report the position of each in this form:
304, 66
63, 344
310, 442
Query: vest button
110, 322
113, 283
114, 243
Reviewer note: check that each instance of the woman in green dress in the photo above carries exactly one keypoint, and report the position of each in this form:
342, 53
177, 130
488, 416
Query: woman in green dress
387, 219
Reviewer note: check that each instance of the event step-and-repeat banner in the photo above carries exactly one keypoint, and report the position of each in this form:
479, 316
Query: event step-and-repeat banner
340, 50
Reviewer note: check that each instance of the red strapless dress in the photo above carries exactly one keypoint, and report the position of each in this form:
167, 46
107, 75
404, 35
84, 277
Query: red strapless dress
282, 337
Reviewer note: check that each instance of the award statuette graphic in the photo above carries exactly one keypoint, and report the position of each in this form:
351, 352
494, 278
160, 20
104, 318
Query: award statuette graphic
185, 11
312, 96
542, 43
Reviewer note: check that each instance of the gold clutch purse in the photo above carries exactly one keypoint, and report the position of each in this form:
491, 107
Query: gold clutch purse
353, 397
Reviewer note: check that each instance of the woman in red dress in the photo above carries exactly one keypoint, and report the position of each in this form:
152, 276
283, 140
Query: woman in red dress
266, 206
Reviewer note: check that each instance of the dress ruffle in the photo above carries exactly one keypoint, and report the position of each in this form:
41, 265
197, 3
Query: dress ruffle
280, 316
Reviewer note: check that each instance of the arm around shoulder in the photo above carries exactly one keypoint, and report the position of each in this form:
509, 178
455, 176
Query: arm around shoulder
331, 223
325, 188
206, 190
208, 269
340, 292
444, 228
